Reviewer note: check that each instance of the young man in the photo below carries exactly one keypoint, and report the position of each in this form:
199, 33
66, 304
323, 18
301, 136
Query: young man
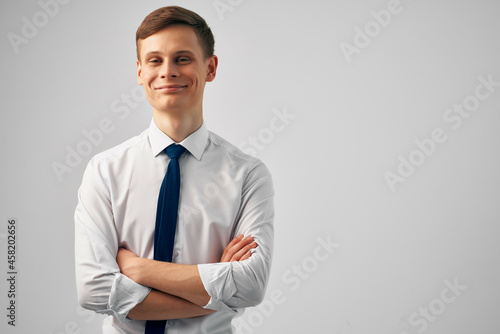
222, 234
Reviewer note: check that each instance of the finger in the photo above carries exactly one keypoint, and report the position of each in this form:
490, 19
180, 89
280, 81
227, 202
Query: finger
246, 256
225, 255
229, 252
239, 246
235, 241
238, 255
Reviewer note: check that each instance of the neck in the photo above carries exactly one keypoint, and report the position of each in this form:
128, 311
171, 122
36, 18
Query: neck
178, 127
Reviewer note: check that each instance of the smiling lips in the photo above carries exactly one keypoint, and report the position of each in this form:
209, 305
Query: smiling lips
170, 88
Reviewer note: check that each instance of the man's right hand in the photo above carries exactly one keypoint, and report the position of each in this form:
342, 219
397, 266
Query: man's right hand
238, 249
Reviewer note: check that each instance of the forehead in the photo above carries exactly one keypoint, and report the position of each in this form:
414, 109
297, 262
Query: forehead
171, 39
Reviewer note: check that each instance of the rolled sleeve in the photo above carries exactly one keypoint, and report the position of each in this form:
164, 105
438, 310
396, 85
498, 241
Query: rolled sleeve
100, 285
125, 295
218, 280
234, 285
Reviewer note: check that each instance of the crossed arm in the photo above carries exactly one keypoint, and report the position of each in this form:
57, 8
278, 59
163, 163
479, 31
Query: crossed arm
124, 285
177, 289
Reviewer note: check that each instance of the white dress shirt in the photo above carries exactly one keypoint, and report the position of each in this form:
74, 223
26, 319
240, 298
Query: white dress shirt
224, 192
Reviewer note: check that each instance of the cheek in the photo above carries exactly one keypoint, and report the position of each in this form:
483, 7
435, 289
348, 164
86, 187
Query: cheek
148, 76
198, 79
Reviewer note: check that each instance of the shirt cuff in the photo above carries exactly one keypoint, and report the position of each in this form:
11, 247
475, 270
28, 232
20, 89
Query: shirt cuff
125, 295
217, 278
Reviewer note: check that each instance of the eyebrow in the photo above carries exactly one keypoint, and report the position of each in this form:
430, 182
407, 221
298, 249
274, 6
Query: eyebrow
153, 53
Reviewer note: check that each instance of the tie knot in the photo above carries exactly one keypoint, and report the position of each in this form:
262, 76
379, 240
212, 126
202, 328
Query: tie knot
174, 151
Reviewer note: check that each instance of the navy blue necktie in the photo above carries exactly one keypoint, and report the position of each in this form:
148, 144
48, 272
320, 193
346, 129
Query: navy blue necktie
166, 219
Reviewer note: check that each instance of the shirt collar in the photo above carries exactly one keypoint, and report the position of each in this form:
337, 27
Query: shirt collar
195, 143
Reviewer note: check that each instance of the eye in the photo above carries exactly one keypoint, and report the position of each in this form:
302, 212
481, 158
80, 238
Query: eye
155, 60
183, 59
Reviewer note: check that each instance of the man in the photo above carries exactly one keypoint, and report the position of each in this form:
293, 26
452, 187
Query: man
221, 254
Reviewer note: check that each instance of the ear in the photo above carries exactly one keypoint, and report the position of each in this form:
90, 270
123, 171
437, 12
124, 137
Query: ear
212, 63
139, 73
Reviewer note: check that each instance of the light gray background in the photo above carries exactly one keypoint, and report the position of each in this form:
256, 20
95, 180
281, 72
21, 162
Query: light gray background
352, 121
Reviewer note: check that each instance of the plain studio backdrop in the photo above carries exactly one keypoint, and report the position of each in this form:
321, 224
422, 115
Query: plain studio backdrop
379, 120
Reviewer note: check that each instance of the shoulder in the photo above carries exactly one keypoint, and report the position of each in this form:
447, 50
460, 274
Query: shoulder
120, 151
253, 166
229, 151
103, 166
107, 163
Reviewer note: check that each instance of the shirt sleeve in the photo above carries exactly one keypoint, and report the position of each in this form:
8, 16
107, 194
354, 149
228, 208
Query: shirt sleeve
100, 285
233, 285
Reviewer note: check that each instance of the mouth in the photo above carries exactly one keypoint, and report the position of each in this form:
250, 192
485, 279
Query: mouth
170, 88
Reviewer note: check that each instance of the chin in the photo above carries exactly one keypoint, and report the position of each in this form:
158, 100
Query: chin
170, 107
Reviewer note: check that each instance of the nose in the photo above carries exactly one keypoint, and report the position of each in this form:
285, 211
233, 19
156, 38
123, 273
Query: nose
169, 70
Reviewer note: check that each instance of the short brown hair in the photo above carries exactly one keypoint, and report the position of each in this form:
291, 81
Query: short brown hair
163, 17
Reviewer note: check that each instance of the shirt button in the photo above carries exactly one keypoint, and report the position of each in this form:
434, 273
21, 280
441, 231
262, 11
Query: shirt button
175, 254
